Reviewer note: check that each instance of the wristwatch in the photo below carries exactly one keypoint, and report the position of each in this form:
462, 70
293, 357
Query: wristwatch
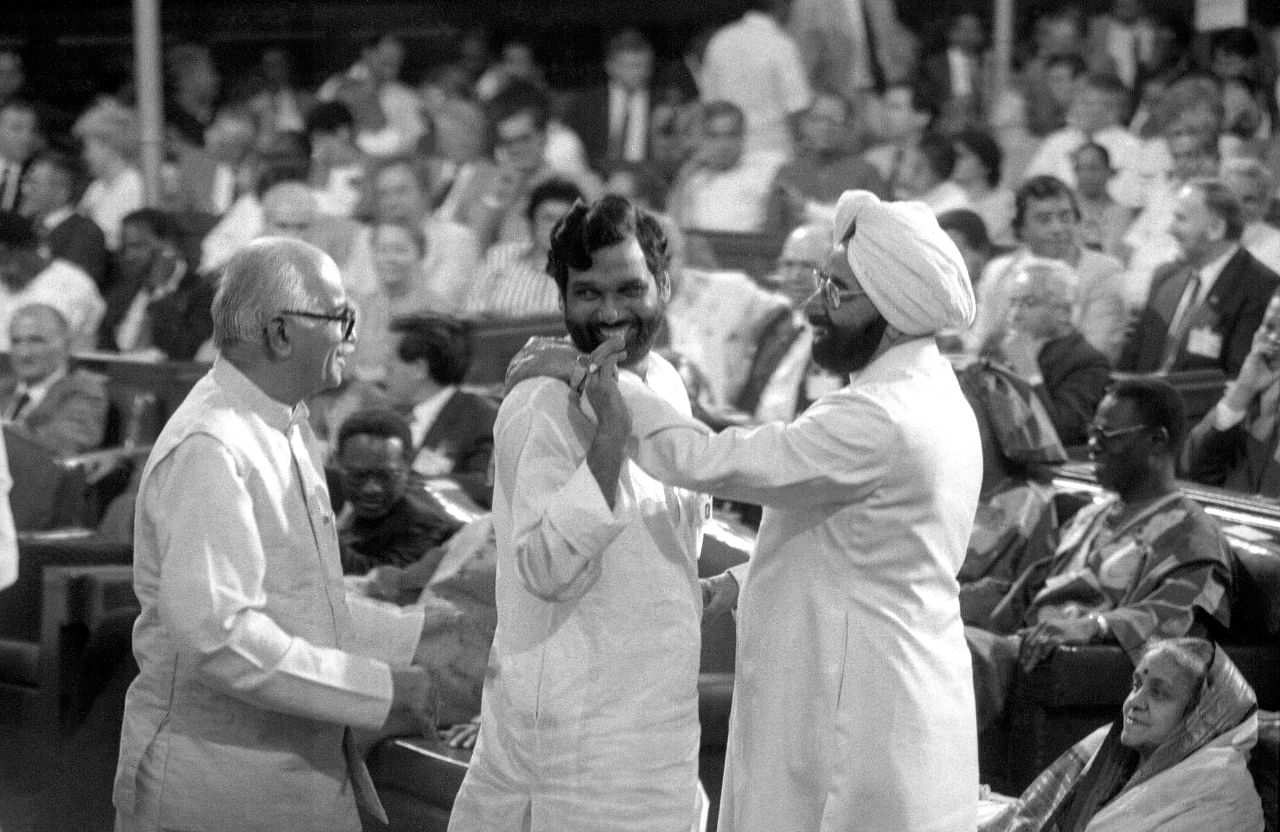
1101, 624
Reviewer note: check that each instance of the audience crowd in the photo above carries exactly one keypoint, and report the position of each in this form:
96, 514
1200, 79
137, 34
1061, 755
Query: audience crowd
1116, 206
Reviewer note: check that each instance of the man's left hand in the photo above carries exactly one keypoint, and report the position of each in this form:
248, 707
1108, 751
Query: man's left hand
1038, 643
542, 356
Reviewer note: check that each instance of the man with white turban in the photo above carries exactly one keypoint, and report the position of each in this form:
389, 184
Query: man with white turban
853, 704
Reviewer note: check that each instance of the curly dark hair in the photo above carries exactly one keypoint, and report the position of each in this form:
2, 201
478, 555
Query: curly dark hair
609, 221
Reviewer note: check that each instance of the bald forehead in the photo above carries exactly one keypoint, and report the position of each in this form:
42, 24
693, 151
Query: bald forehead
44, 318
1052, 282
808, 243
289, 197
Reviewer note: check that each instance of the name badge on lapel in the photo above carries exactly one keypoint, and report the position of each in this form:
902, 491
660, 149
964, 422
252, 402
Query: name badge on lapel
1205, 343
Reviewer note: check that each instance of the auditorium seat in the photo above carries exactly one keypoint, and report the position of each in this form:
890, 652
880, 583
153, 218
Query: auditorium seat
44, 615
1082, 687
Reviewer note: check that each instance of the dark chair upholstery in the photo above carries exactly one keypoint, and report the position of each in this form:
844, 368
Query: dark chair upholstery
26, 613
1080, 688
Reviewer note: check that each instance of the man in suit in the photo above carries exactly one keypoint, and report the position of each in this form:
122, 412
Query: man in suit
210, 178
1235, 444
161, 306
48, 197
1043, 347
19, 131
1202, 309
613, 119
64, 408
452, 429
954, 83
853, 47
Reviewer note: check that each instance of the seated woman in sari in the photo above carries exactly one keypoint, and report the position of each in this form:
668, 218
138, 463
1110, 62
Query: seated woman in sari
1176, 762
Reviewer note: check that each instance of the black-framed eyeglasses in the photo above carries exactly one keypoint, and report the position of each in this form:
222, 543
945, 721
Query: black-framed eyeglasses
345, 316
1099, 434
832, 294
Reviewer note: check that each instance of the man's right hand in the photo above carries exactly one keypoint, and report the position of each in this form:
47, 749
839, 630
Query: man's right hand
719, 594
412, 704
1260, 370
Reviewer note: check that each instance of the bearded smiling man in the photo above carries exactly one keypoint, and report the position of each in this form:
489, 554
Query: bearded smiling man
852, 702
589, 721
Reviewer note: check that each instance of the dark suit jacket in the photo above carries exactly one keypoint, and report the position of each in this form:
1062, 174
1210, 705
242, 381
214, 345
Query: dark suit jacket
463, 431
71, 418
588, 116
180, 321
1232, 312
78, 239
1234, 458
1076, 376
933, 91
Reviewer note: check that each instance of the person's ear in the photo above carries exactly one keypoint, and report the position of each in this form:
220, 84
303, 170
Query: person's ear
664, 287
277, 338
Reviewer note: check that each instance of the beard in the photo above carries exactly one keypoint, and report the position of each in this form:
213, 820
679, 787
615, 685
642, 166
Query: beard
643, 330
844, 351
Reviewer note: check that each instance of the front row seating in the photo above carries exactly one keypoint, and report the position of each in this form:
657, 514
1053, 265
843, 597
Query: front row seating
1080, 688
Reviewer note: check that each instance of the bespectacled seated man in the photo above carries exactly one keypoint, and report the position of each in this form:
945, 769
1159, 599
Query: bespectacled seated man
1143, 562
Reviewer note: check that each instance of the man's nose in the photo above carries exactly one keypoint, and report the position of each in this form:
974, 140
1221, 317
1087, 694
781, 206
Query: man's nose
609, 311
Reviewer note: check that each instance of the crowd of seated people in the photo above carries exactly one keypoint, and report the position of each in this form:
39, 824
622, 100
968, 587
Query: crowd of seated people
1116, 206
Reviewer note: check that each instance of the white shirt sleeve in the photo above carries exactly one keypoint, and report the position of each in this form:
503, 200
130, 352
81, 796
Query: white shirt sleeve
806, 463
213, 600
560, 522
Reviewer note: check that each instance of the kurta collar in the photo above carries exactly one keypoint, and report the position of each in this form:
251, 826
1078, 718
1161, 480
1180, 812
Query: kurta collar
901, 359
277, 416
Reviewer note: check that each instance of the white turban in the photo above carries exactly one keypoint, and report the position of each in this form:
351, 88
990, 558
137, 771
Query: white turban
906, 263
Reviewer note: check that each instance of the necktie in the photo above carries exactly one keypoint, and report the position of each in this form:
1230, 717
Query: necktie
19, 404
1181, 318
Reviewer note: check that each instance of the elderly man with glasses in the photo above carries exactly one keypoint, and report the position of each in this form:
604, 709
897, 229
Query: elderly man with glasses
255, 673
1145, 561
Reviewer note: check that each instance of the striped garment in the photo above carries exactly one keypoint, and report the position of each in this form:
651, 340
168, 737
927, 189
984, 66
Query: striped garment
512, 284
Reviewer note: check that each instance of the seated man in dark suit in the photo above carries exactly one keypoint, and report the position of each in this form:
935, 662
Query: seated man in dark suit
452, 429
160, 307
1203, 309
48, 197
1145, 561
384, 522
64, 408
1235, 444
613, 119
1044, 348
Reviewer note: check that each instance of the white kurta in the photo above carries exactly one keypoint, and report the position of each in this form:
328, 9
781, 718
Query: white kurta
251, 664
853, 698
590, 713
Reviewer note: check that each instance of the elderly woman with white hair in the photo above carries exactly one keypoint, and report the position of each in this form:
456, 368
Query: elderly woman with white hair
1043, 347
1176, 760
111, 139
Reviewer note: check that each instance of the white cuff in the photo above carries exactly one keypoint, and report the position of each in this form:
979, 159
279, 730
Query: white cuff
1226, 417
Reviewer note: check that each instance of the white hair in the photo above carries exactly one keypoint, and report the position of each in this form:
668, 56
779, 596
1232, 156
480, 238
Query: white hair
1253, 170
267, 276
1050, 276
